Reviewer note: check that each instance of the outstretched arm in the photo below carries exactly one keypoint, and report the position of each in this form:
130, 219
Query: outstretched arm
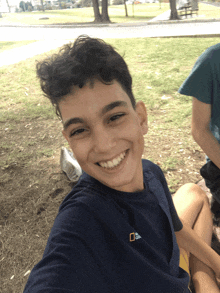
201, 116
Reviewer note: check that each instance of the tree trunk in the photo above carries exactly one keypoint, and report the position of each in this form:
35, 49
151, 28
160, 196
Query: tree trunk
42, 5
9, 9
105, 17
98, 17
126, 11
173, 13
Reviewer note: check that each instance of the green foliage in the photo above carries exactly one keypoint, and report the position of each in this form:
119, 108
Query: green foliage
26, 6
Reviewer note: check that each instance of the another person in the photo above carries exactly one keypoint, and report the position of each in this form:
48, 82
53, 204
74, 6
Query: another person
203, 84
117, 230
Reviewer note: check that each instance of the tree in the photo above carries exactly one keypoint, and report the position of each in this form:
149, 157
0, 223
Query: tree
42, 5
9, 8
126, 11
29, 6
22, 5
173, 13
98, 16
105, 17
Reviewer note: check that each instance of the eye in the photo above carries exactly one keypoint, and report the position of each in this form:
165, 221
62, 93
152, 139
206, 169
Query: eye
77, 132
116, 117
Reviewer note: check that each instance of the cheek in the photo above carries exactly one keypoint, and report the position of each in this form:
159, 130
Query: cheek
79, 151
82, 150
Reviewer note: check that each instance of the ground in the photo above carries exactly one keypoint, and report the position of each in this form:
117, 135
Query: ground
32, 185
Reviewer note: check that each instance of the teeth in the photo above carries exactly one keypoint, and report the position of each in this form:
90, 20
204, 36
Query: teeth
115, 162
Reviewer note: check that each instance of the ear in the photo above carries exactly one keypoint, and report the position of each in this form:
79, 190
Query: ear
142, 115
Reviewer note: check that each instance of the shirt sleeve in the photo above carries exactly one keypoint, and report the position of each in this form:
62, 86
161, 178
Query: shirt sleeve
177, 224
68, 264
199, 83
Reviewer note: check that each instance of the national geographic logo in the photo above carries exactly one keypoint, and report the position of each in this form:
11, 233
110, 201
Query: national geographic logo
134, 236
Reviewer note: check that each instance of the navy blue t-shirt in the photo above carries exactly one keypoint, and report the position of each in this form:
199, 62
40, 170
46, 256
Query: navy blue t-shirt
107, 241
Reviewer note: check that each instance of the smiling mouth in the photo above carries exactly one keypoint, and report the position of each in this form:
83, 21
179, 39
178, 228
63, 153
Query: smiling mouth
113, 163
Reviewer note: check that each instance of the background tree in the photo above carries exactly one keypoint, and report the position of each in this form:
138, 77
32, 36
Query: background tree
126, 11
97, 14
105, 17
173, 13
22, 5
9, 8
29, 6
42, 5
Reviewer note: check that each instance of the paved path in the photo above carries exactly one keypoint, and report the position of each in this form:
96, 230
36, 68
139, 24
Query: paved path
111, 31
22, 53
52, 37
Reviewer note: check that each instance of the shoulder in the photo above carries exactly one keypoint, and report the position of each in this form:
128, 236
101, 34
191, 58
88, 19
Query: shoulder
150, 169
76, 208
204, 74
212, 52
88, 204
209, 56
85, 187
149, 166
154, 177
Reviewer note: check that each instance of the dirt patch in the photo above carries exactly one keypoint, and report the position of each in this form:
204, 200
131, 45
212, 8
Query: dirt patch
32, 186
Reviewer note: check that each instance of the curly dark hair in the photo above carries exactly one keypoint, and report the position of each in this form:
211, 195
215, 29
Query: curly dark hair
77, 63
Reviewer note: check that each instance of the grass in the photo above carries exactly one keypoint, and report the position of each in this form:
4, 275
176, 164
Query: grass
11, 45
208, 11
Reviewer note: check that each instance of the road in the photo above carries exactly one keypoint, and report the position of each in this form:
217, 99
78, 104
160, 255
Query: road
111, 31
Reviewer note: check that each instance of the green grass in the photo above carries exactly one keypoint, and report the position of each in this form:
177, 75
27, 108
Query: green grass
11, 45
208, 11
142, 12
158, 67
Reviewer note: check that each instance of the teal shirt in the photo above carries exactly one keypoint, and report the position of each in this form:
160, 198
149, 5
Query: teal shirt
203, 83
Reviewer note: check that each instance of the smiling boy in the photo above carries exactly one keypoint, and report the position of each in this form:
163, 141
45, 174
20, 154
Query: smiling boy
118, 229
104, 132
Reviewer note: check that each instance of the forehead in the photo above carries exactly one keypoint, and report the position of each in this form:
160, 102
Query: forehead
92, 98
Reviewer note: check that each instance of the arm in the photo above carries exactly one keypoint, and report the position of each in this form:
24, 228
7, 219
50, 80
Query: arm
191, 242
201, 115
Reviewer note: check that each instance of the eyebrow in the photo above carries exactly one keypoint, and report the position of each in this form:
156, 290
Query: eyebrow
106, 109
70, 121
113, 105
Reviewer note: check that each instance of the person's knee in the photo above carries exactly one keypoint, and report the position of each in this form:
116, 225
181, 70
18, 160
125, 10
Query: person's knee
196, 192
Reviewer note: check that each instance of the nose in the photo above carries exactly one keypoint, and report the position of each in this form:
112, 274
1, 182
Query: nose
103, 140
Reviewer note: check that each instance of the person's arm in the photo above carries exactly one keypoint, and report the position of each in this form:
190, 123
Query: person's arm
191, 242
201, 116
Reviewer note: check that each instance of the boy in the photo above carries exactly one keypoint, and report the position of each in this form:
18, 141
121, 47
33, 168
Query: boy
117, 230
203, 84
